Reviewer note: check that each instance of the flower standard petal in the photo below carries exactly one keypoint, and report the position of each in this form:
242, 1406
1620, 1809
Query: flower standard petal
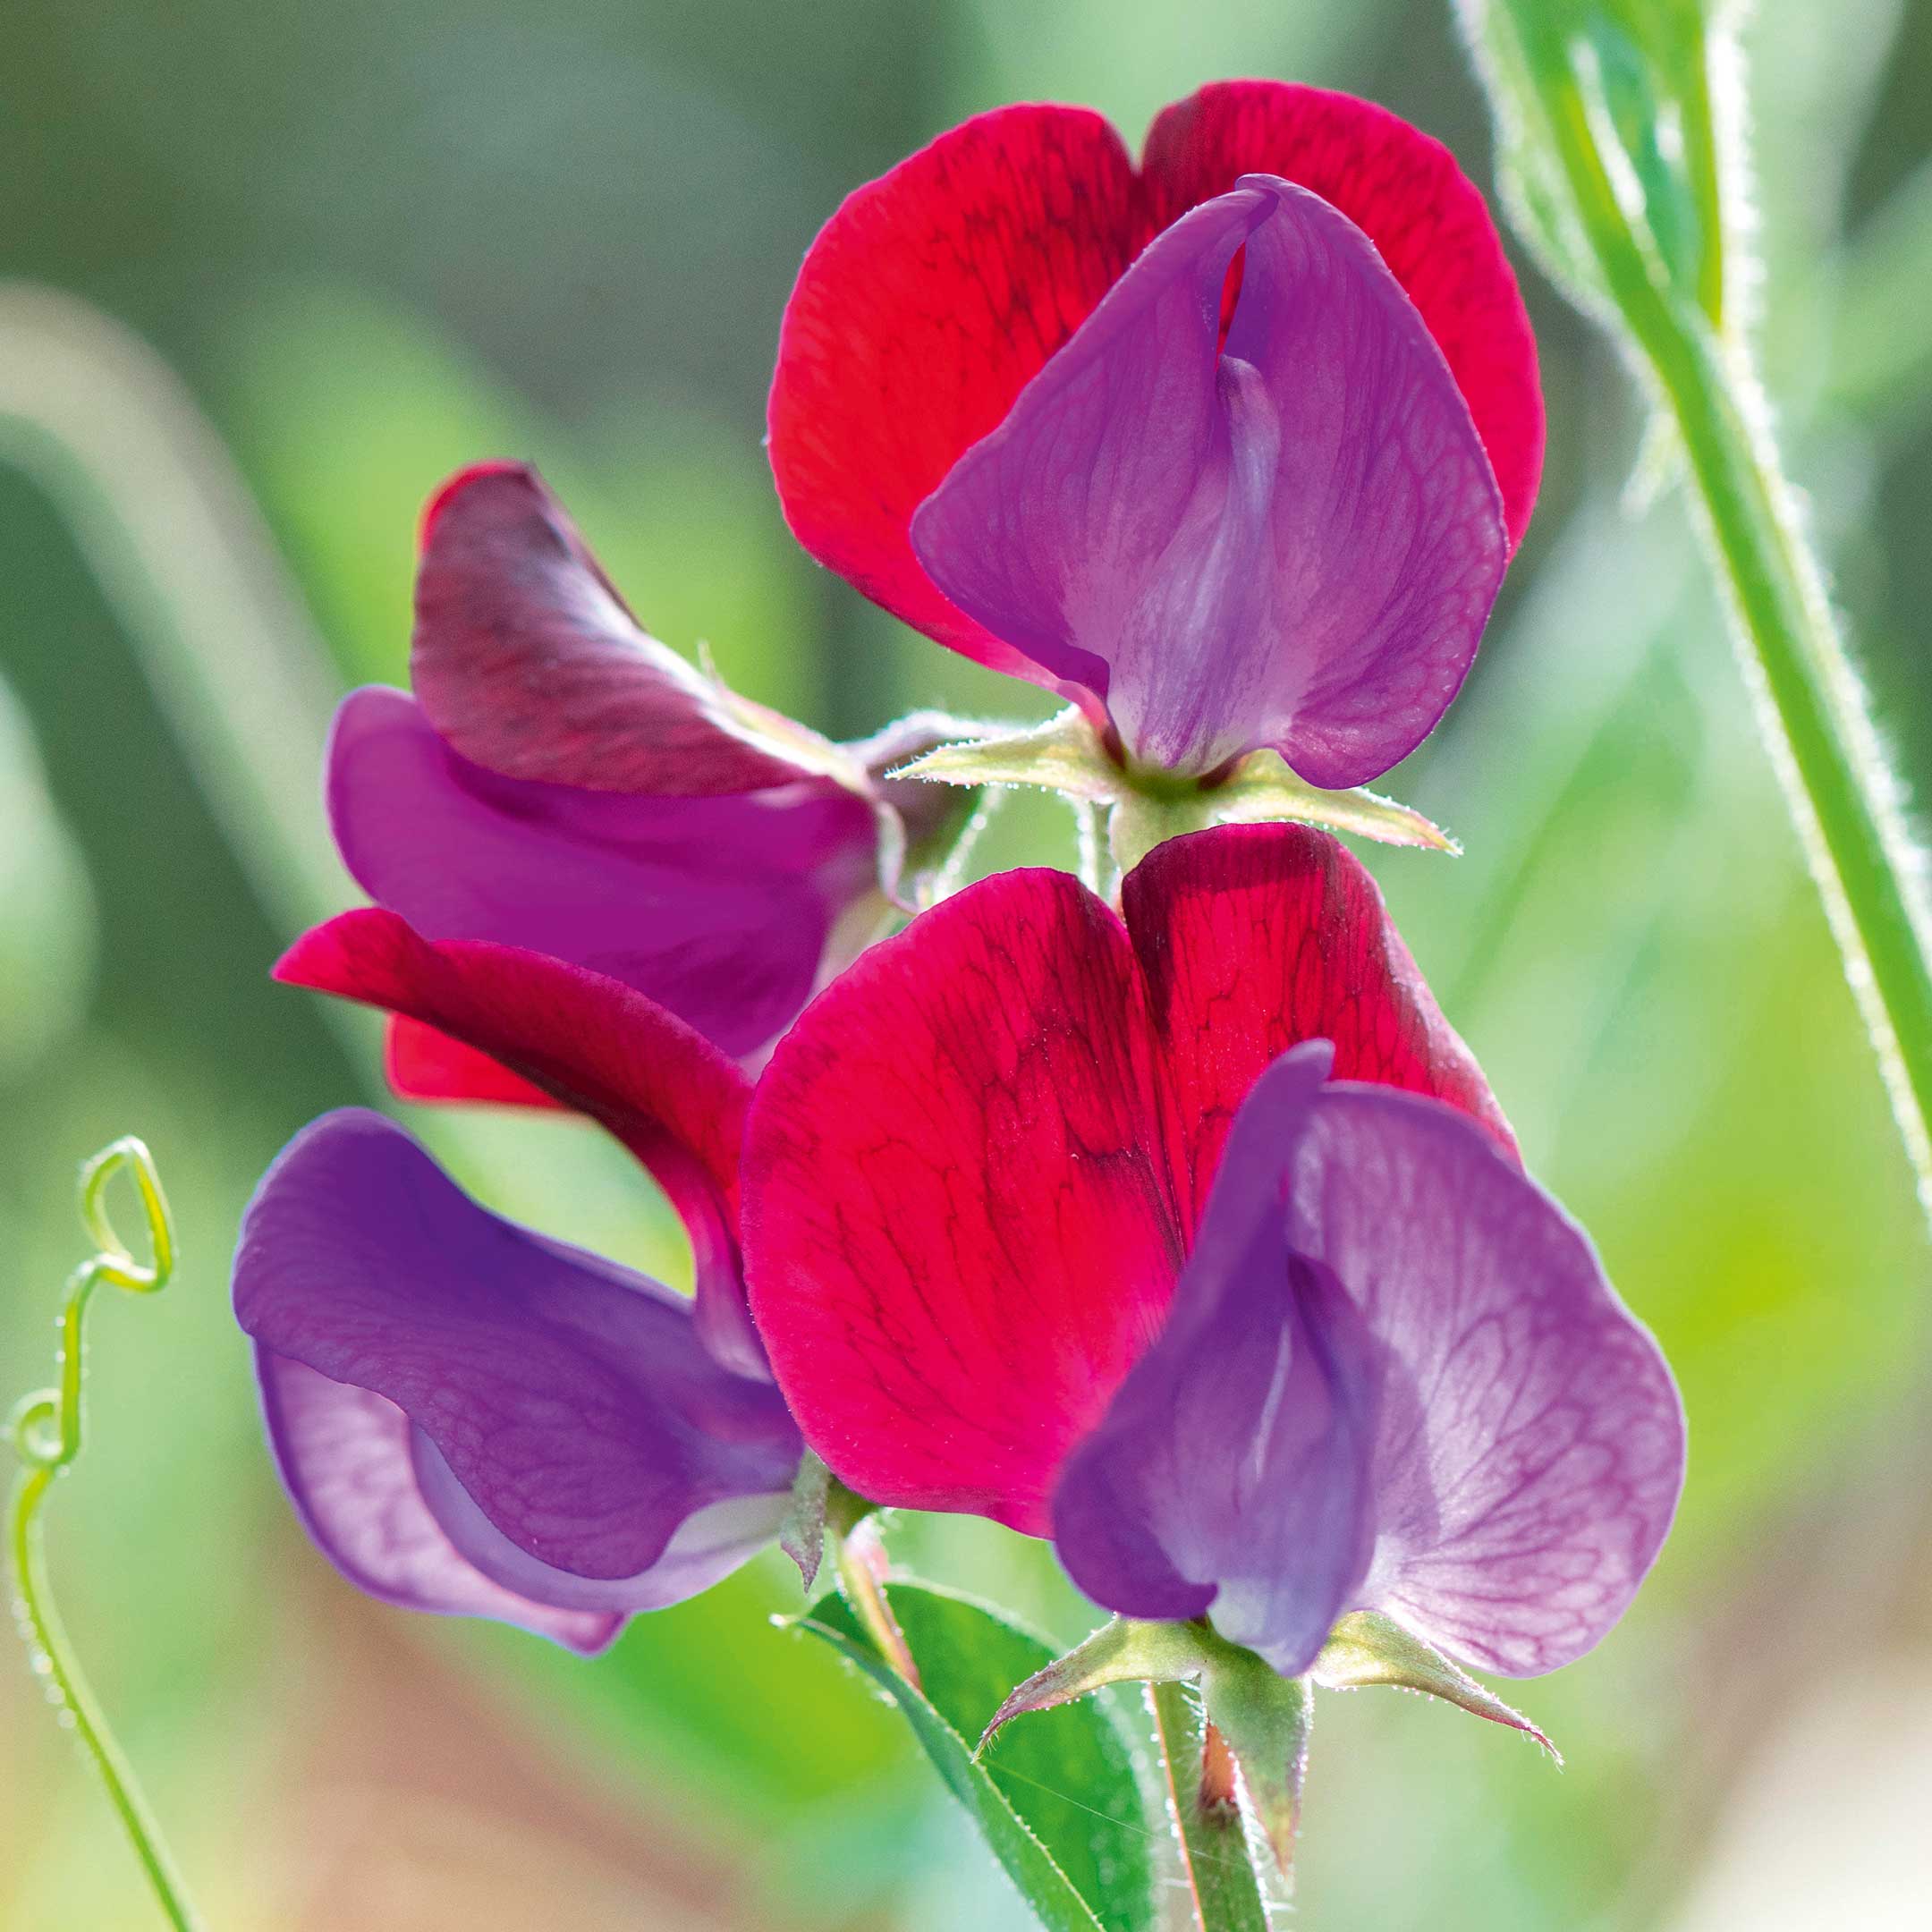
663, 1089
922, 309
936, 294
528, 662
1427, 220
1293, 543
608, 880
1254, 938
958, 1232
567, 1436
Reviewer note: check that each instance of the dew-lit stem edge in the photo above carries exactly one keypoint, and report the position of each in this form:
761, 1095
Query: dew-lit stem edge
1839, 784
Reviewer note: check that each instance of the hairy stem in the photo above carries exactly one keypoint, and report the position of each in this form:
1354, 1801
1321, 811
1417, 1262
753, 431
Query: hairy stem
1225, 1890
1843, 796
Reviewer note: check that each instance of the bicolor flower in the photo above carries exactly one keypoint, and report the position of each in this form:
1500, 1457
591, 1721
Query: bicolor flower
1231, 449
473, 1418
1194, 1240
563, 781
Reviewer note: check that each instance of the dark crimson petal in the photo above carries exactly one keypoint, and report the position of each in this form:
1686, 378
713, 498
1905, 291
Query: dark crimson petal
1254, 938
345, 1458
423, 1064
1526, 1478
567, 1432
662, 1089
958, 1228
528, 662
1405, 192
923, 307
1231, 1469
719, 909
1293, 543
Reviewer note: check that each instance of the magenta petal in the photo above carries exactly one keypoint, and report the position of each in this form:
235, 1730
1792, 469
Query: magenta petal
1530, 1445
569, 1442
1231, 1469
1293, 541
528, 662
719, 909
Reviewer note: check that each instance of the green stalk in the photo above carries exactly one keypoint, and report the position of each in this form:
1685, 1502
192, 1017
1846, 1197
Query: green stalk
1843, 796
1224, 1889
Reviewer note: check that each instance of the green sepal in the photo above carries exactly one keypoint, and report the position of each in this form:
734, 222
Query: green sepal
1367, 1647
802, 1533
1145, 807
1263, 791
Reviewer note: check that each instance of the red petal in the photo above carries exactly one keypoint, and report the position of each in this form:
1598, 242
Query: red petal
1405, 191
959, 1230
423, 1064
1254, 938
924, 306
663, 1089
527, 661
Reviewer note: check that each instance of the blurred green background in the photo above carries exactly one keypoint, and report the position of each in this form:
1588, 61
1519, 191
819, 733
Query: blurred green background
277, 269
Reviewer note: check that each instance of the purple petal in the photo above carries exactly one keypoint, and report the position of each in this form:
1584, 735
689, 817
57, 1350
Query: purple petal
1530, 1453
1231, 1467
528, 662
344, 1456
518, 1429
719, 909
1293, 541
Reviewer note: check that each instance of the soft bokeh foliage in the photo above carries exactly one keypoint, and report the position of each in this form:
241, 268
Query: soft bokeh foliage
381, 243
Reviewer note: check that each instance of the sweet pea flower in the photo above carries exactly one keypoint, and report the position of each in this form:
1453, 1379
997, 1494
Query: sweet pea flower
561, 780
1193, 1239
472, 1418
1231, 449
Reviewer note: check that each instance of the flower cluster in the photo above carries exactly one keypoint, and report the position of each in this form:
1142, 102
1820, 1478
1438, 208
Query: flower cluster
1180, 1230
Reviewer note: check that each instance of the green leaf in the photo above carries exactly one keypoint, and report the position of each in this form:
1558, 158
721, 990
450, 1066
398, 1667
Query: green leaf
1056, 1799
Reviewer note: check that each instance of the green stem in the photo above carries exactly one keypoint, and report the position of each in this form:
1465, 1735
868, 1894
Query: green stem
1222, 1885
860, 1564
55, 1658
1843, 794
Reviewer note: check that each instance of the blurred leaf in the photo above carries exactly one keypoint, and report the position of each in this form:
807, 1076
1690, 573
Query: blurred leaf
46, 907
1057, 1798
1639, 71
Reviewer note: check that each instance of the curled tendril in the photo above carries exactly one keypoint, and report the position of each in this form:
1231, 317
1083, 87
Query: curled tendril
46, 1428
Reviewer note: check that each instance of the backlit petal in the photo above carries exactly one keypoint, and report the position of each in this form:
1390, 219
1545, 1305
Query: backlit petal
528, 662
922, 309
